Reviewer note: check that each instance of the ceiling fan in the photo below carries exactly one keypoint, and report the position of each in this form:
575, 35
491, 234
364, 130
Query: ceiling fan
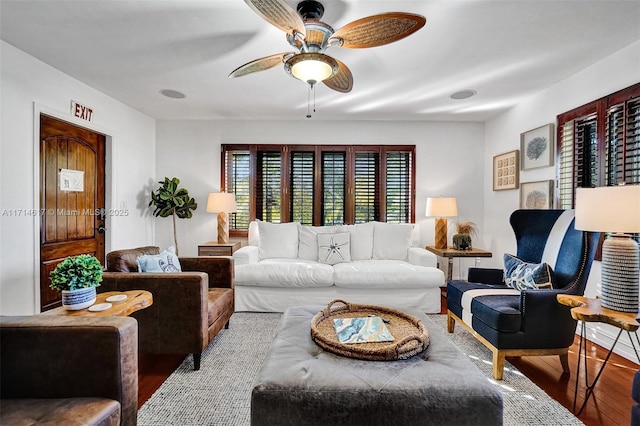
310, 37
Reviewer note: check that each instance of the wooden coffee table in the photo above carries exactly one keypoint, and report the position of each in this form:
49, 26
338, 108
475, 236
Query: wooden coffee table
136, 300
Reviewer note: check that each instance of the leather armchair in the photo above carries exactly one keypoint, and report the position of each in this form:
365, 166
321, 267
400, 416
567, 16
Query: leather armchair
189, 307
63, 370
528, 322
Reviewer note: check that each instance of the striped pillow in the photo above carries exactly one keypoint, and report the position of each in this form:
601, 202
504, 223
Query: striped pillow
522, 275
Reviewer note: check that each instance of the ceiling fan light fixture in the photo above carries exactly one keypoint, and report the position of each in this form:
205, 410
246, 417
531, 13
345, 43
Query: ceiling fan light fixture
311, 68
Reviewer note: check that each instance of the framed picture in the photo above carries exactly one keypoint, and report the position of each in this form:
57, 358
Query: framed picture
537, 147
505, 171
536, 195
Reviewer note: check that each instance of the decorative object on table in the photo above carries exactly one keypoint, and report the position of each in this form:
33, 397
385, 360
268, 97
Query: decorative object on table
462, 238
536, 195
614, 209
169, 200
76, 278
441, 208
410, 334
537, 147
506, 171
222, 203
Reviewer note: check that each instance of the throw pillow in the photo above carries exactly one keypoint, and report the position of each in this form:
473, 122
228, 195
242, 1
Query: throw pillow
278, 240
522, 275
392, 241
308, 239
334, 248
167, 261
361, 240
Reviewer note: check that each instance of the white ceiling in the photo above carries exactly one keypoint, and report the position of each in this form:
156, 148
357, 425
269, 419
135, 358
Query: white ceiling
505, 50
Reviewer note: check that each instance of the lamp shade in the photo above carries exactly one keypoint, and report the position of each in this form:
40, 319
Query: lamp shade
608, 209
441, 207
219, 202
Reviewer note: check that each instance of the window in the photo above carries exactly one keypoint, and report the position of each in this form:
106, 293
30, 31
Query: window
599, 144
320, 184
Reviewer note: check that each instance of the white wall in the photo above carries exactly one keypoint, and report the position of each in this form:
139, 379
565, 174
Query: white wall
446, 155
502, 134
28, 86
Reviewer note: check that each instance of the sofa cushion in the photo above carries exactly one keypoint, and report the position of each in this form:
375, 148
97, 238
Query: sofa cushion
361, 240
386, 274
254, 234
278, 240
127, 260
392, 241
522, 275
167, 261
60, 411
334, 248
308, 239
284, 273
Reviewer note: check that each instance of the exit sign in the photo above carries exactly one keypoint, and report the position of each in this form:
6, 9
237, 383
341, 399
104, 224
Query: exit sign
81, 111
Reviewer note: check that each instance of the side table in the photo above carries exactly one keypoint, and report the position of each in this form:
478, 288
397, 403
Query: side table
136, 300
589, 310
450, 253
213, 248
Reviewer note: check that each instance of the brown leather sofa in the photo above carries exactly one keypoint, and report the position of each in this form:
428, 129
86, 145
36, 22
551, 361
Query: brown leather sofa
63, 370
189, 307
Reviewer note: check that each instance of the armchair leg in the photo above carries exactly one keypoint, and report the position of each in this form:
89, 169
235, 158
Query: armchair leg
196, 361
226, 326
451, 323
498, 364
564, 361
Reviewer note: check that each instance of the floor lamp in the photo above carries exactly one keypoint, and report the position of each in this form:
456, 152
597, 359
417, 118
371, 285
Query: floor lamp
222, 203
614, 209
441, 208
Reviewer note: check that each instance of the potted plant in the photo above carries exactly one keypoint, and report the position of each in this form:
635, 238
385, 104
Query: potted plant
462, 237
169, 200
76, 278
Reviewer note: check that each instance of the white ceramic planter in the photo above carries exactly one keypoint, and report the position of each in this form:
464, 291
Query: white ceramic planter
74, 300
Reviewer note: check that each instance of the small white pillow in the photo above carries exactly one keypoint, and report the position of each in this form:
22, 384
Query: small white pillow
334, 248
278, 240
361, 240
308, 239
254, 234
392, 241
167, 261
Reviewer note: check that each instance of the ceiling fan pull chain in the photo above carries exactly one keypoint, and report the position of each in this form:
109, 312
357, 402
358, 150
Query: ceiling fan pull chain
310, 87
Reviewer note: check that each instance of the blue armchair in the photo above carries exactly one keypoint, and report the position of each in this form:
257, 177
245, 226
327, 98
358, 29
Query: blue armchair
514, 322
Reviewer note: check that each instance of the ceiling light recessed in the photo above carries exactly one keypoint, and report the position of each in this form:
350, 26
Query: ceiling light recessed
174, 94
463, 94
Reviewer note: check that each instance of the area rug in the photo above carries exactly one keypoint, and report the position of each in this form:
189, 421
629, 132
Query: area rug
220, 392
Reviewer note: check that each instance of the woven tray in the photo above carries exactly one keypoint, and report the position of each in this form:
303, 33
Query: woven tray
410, 334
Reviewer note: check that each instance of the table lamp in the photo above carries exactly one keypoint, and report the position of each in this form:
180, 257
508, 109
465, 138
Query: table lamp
614, 209
441, 208
222, 203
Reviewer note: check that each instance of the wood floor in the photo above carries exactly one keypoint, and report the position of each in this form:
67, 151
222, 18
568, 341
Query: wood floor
610, 404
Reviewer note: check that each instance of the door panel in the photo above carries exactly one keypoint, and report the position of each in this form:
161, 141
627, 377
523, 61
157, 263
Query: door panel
70, 220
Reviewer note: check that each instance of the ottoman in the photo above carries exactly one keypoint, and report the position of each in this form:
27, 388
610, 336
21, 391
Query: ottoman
301, 384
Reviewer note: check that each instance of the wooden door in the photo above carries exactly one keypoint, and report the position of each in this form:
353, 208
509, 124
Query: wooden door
71, 198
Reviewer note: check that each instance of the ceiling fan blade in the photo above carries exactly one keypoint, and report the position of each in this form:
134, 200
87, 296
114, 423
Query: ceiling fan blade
342, 81
259, 65
377, 30
279, 14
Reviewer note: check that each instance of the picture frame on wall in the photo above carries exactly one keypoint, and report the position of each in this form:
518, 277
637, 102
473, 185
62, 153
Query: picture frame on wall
506, 171
537, 147
536, 195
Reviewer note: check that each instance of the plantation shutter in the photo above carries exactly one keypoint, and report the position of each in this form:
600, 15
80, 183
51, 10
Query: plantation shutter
565, 172
238, 180
366, 188
333, 187
623, 143
268, 184
398, 185
301, 193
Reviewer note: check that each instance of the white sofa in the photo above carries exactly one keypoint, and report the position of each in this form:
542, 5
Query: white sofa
289, 264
